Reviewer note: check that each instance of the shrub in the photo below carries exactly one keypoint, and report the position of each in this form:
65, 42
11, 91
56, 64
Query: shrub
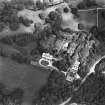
14, 98
55, 91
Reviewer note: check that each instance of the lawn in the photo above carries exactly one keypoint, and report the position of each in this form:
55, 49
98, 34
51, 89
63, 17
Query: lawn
16, 75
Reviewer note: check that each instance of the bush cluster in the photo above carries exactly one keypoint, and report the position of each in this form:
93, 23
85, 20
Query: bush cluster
7, 97
56, 91
92, 92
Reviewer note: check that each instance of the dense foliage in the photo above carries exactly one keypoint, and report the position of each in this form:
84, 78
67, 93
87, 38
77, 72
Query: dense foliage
56, 91
18, 39
92, 92
8, 14
14, 97
87, 4
8, 97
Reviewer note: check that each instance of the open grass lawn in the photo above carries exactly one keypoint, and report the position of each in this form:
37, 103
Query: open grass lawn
16, 75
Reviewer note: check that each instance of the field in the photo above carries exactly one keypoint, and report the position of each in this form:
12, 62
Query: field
28, 77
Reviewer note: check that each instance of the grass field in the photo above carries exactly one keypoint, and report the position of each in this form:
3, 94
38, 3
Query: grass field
29, 78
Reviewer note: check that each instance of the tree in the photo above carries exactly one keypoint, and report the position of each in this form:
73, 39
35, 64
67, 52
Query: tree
14, 23
103, 14
18, 58
39, 5
25, 22
3, 53
2, 26
21, 4
14, 98
94, 30
90, 3
6, 40
81, 5
54, 18
61, 65
55, 91
91, 91
14, 26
